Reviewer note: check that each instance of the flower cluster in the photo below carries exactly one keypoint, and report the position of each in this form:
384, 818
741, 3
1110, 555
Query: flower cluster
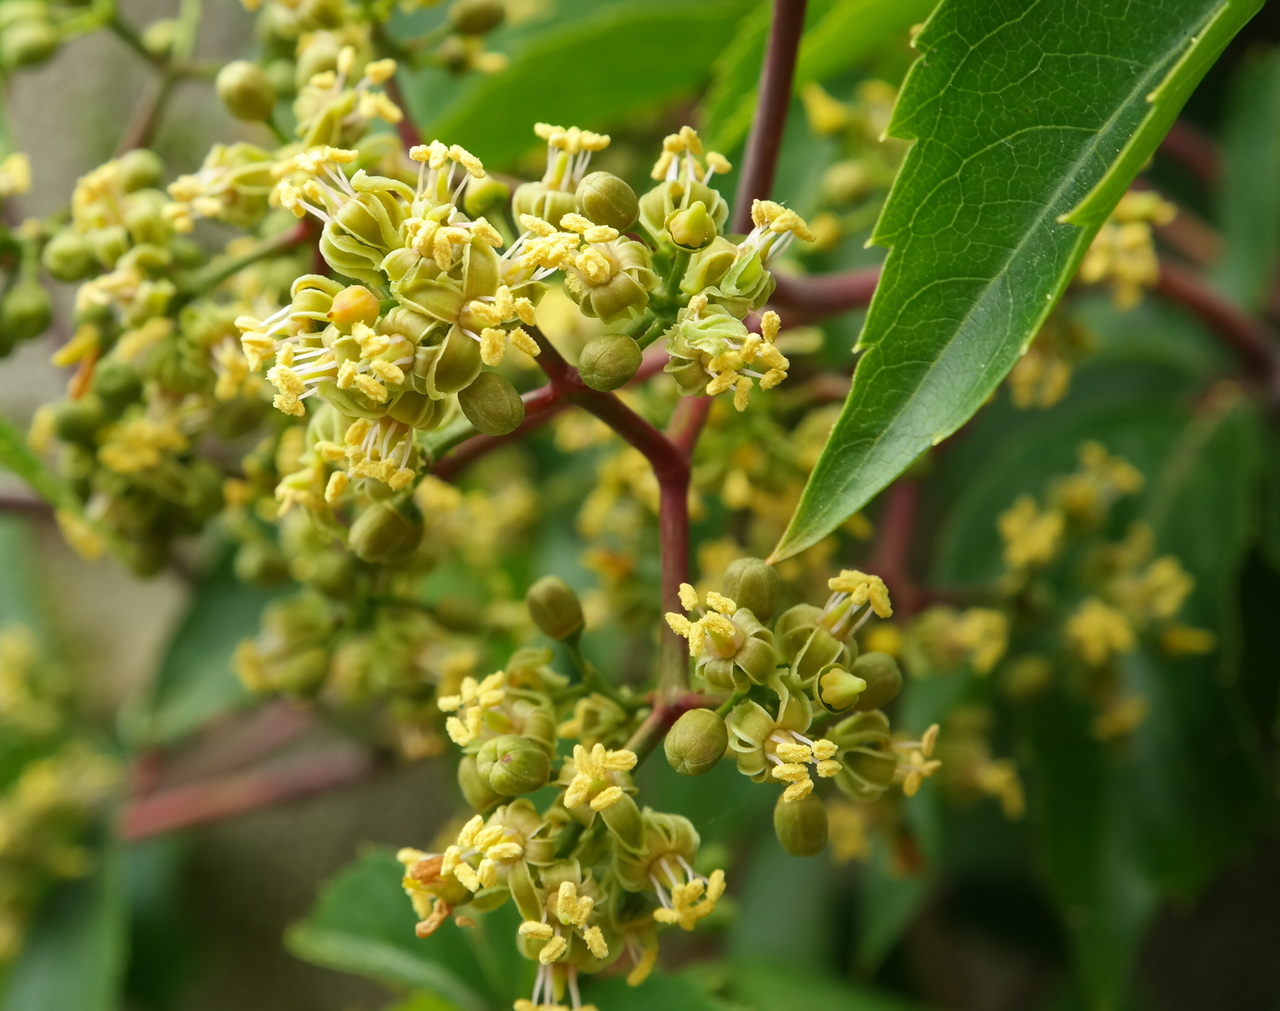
54, 784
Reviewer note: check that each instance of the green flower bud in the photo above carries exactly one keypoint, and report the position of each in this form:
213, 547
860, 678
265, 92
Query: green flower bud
820, 649
447, 367
417, 410
609, 361
492, 404
867, 759
109, 244
801, 825
866, 773
331, 571
158, 37
625, 822
513, 765
14, 11
476, 17
140, 169
246, 91
554, 608
475, 788
754, 584
484, 194
261, 563
385, 534
884, 680
78, 420
145, 555
117, 383
607, 200
67, 256
28, 43
281, 74
352, 305
696, 742
26, 311
691, 228
838, 689
542, 202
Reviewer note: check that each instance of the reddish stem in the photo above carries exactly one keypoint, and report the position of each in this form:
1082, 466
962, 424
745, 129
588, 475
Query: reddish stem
686, 422
1195, 151
760, 160
893, 549
409, 135
799, 300
541, 405
670, 465
1247, 338
223, 796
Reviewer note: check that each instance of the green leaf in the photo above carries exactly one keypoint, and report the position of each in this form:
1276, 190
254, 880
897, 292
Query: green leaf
363, 923
594, 73
767, 985
1201, 795
888, 901
1088, 847
1029, 125
17, 456
1249, 194
195, 682
20, 595
74, 954
658, 991
838, 34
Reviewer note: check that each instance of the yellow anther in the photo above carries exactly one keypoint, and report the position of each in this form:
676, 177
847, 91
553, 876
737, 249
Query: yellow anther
863, 589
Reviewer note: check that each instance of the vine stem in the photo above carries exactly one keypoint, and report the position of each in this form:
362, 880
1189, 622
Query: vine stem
800, 300
670, 464
760, 159
179, 807
893, 549
540, 406
1245, 336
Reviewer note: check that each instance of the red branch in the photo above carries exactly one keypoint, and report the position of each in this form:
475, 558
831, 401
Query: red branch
1244, 335
800, 300
893, 546
219, 797
670, 465
760, 160
1195, 151
409, 135
541, 405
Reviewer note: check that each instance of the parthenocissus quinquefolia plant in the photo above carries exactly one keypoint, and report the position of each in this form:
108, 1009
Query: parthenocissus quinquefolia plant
326, 351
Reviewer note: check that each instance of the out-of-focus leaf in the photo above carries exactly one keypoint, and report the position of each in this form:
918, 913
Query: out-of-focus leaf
1142, 429
1249, 194
658, 991
1088, 846
17, 456
807, 940
424, 1002
362, 923
19, 592
838, 34
888, 902
770, 985
195, 682
1027, 128
1201, 794
73, 956
593, 73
